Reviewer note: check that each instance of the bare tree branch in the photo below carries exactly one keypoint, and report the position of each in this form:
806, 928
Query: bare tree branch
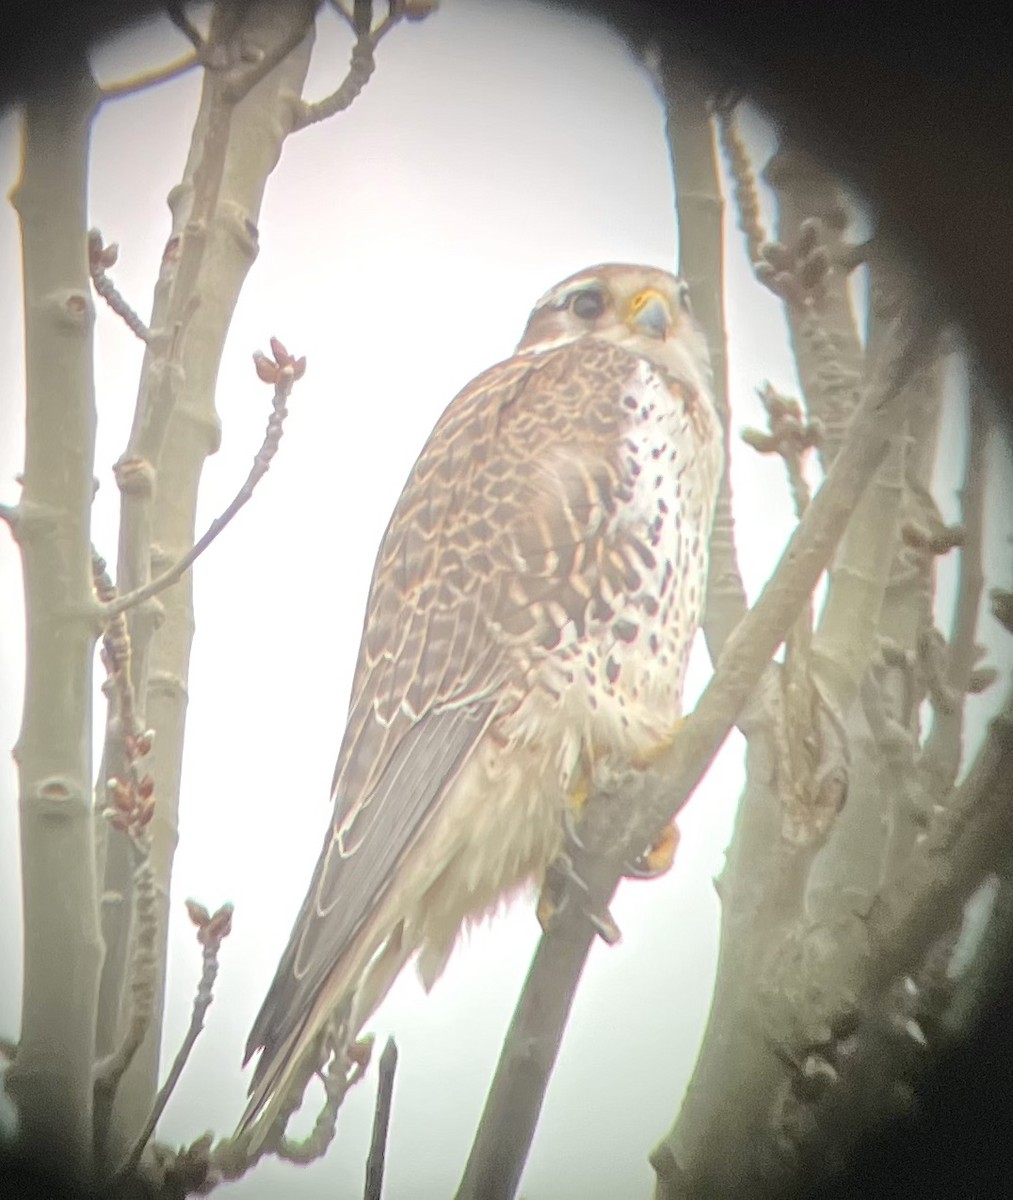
747, 199
51, 1080
233, 1157
824, 337
212, 930
940, 759
359, 73
119, 685
700, 210
925, 900
142, 980
363, 62
862, 569
337, 1083
876, 617
100, 259
790, 941
131, 806
625, 815
876, 1054
787, 435
283, 372
381, 1122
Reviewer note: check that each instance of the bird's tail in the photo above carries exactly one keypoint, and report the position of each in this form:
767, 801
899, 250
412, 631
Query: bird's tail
331, 1027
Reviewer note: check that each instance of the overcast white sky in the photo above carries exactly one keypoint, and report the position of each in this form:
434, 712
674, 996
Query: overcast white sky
499, 147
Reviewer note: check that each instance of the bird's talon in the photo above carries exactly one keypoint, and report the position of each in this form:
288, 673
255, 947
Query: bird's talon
656, 861
638, 869
573, 838
562, 866
604, 925
552, 903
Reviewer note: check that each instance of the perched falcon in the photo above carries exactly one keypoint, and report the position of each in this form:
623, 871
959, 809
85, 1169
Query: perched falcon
531, 613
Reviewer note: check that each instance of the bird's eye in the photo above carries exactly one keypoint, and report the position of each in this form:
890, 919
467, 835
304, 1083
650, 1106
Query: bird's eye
588, 304
684, 301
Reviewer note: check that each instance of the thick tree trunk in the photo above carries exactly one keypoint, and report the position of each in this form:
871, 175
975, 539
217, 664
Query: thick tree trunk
51, 1079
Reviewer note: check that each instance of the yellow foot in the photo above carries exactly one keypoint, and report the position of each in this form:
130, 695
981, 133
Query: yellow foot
649, 757
560, 875
576, 798
554, 899
564, 886
573, 808
547, 906
659, 858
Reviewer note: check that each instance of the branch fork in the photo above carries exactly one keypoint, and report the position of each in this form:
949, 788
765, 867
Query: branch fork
282, 371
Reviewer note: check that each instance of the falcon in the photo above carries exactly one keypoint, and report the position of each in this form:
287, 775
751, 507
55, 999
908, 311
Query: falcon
530, 617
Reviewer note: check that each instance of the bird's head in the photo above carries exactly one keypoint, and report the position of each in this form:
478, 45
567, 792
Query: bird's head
644, 309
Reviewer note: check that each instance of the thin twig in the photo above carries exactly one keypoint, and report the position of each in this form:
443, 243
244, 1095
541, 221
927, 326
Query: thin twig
623, 816
117, 653
149, 79
130, 810
143, 977
824, 336
362, 17
337, 1081
381, 1122
362, 63
941, 756
804, 820
386, 25
345, 1067
283, 372
131, 807
193, 35
212, 930
790, 436
747, 196
100, 259
362, 66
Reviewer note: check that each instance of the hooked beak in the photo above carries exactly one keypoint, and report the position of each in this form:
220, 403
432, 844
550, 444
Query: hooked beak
649, 314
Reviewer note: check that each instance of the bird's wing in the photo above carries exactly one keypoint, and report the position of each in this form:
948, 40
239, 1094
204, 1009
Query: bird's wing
424, 692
